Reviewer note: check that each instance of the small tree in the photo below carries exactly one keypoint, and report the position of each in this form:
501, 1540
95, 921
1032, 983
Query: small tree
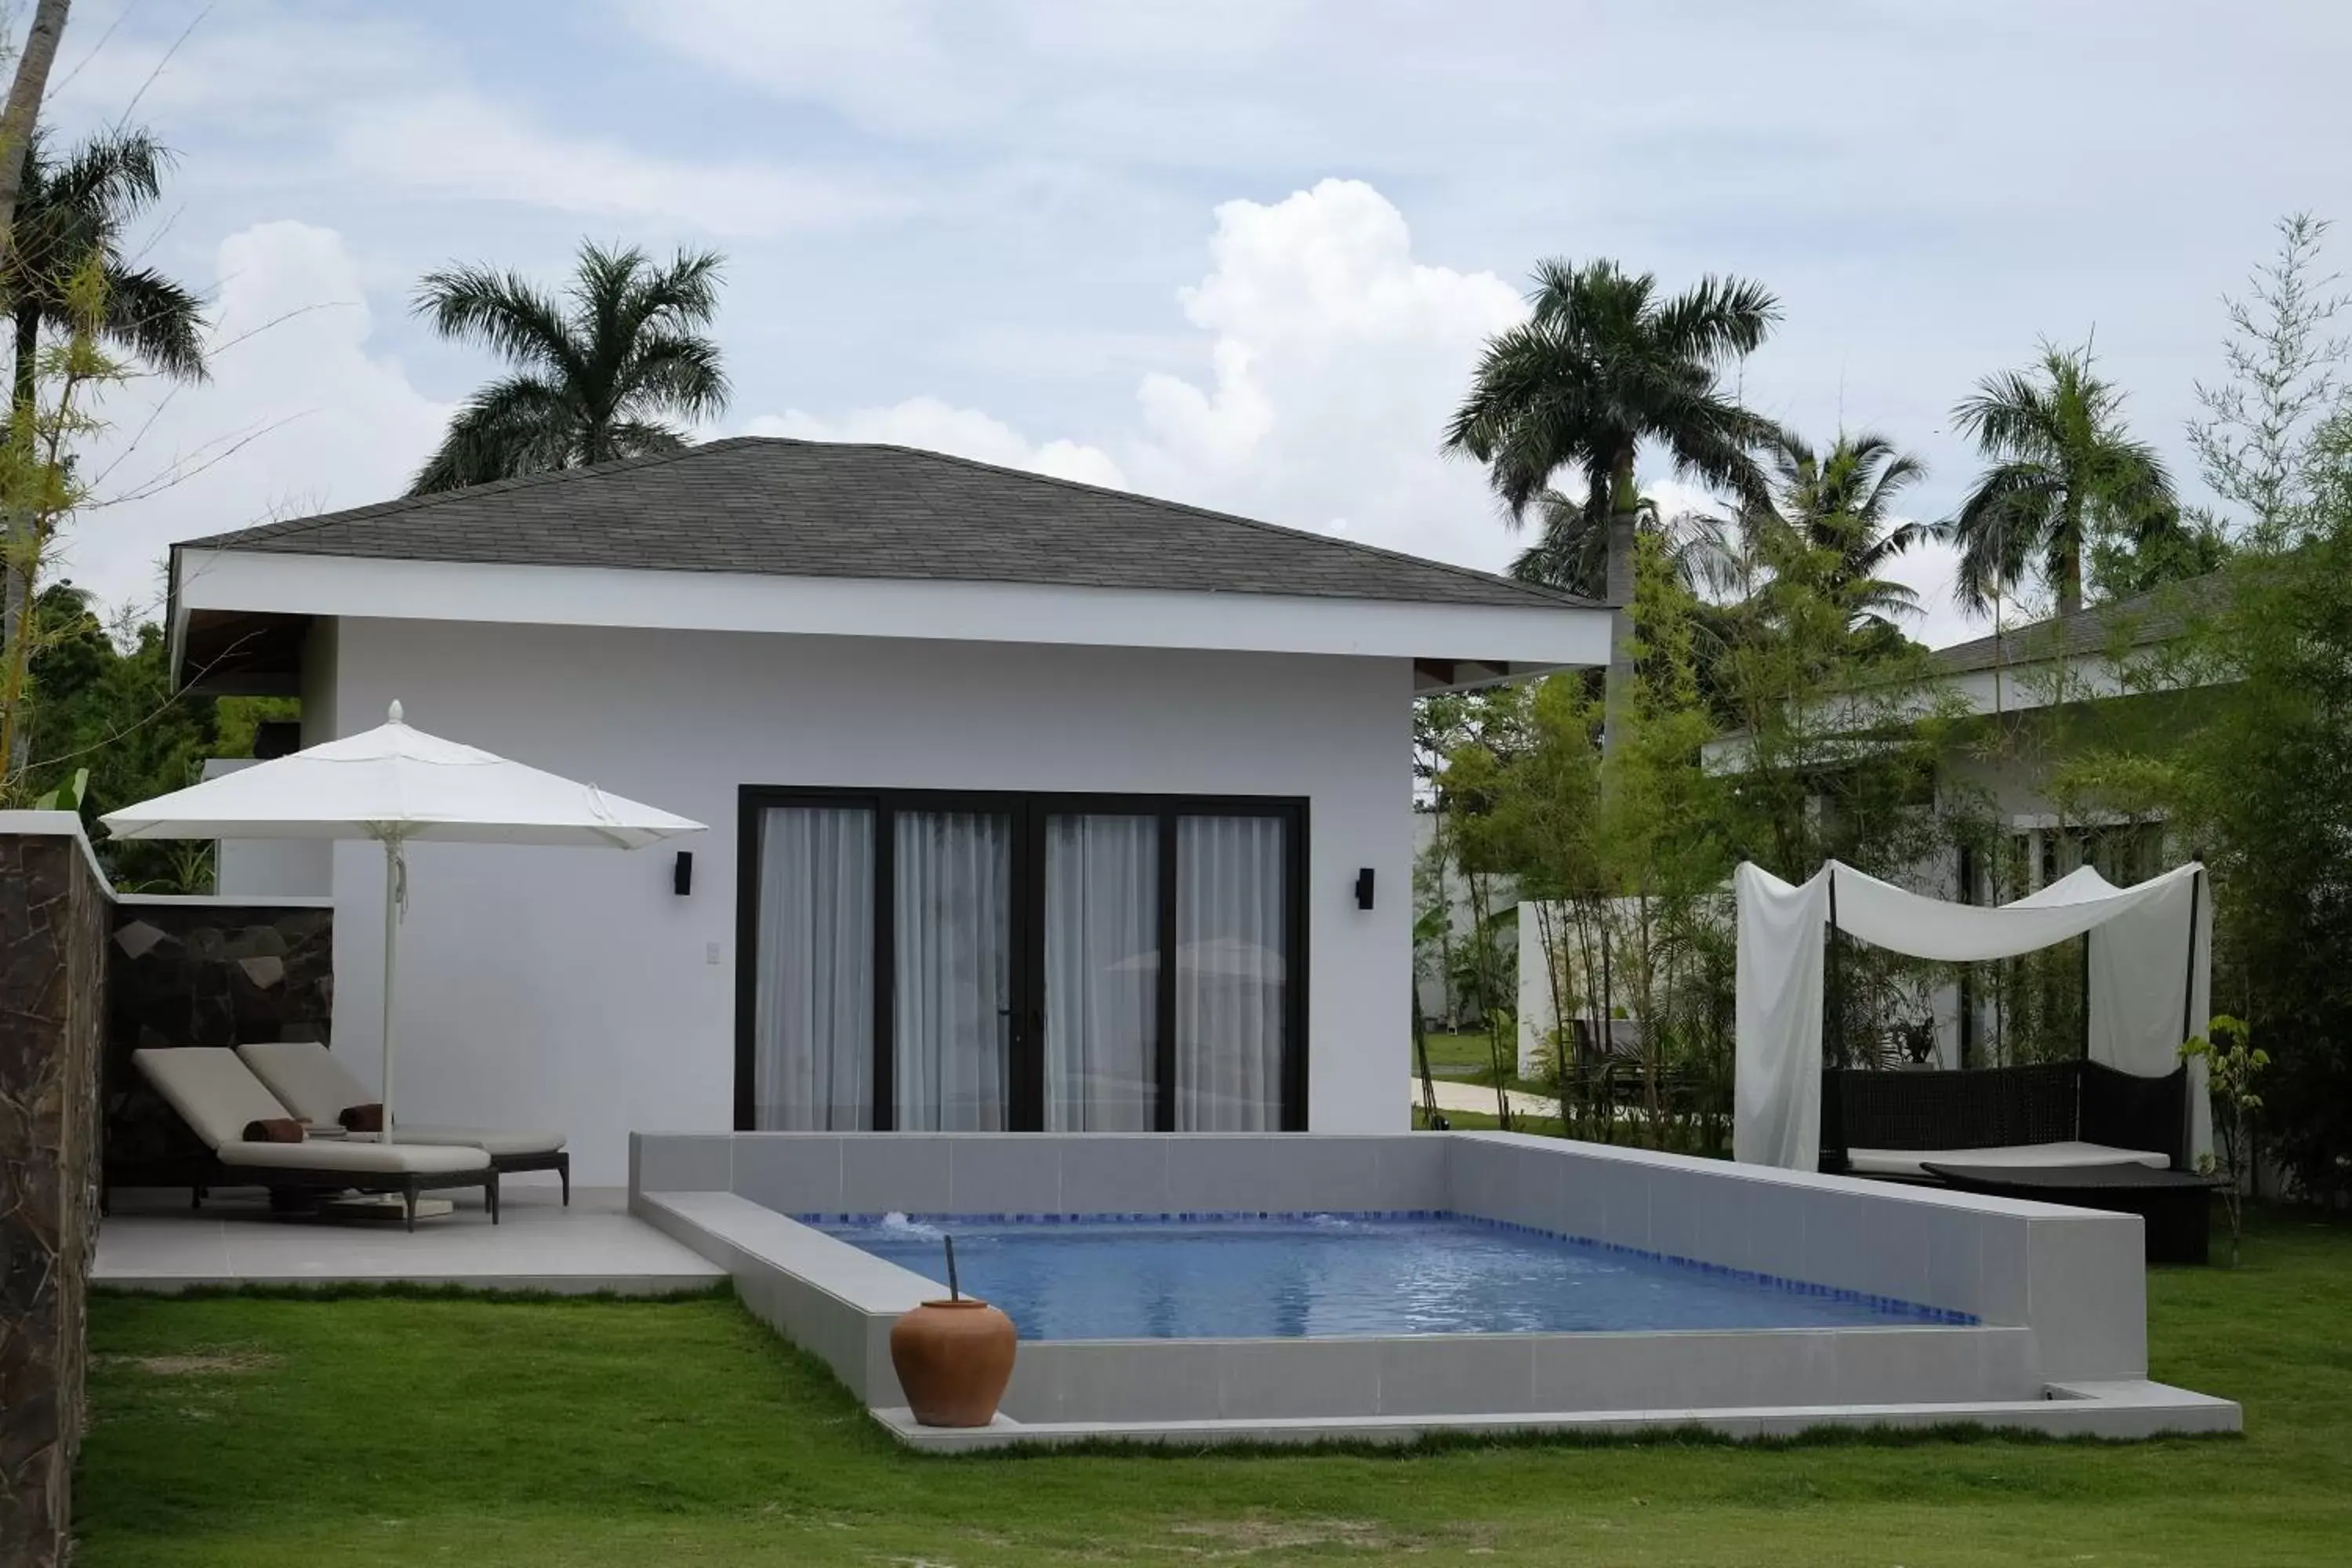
2232, 1066
39, 485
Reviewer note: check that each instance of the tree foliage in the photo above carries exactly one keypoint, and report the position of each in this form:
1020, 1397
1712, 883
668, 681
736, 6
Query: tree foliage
598, 374
2062, 472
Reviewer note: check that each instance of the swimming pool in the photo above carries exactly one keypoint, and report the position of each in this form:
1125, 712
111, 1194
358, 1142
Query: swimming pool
1439, 1289
1337, 1275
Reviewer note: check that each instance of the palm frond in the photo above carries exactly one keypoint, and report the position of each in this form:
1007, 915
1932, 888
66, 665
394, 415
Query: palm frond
157, 320
503, 311
521, 424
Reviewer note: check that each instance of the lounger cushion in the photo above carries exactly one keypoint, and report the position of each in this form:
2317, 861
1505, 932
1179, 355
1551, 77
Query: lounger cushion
307, 1076
489, 1140
356, 1159
212, 1090
315, 1082
2015, 1156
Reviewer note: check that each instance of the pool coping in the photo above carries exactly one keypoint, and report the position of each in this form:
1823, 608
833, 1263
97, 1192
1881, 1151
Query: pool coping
2057, 1293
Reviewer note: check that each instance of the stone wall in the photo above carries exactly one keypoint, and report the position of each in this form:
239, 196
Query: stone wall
54, 915
198, 972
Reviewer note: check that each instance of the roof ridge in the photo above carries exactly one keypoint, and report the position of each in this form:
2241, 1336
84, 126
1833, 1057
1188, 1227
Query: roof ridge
1533, 590
289, 527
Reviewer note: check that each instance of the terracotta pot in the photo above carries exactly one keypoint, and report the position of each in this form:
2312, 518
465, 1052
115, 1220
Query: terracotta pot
953, 1359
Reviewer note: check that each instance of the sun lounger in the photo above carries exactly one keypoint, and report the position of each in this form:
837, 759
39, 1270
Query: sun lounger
316, 1087
218, 1097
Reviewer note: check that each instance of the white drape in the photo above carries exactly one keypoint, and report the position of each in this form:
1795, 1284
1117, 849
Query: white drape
2141, 960
952, 1023
1230, 977
1102, 974
813, 1015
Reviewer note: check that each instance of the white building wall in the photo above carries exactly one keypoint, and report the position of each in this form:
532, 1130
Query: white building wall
573, 989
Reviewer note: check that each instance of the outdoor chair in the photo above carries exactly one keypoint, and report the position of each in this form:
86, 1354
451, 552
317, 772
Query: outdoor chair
316, 1085
219, 1098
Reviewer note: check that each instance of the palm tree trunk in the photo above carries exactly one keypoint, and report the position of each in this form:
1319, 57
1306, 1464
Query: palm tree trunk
1624, 516
25, 96
2070, 561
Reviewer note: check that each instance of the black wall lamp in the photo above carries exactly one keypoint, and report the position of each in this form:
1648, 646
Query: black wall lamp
681, 873
1364, 889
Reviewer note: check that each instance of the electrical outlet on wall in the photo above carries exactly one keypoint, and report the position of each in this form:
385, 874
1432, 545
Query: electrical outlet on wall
709, 952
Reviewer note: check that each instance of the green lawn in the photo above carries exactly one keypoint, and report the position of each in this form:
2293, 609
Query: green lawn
263, 1432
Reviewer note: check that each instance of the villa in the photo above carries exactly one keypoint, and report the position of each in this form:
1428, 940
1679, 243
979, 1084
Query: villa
1033, 805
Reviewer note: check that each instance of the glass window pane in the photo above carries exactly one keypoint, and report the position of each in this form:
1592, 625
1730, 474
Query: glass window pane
1230, 974
951, 1018
1102, 974
812, 1016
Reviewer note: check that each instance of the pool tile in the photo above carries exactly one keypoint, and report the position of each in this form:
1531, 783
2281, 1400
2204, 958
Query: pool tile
1623, 1190
2089, 1300
1115, 1174
684, 1162
1175, 1380
1272, 1378
790, 1173
1212, 1174
1455, 1374
907, 1173
1410, 1173
1010, 1174
1325, 1173
1956, 1254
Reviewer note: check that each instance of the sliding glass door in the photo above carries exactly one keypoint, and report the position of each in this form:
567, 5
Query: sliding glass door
812, 1059
1101, 991
951, 982
987, 962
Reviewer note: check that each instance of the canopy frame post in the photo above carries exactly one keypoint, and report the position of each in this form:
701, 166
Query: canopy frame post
1834, 986
395, 901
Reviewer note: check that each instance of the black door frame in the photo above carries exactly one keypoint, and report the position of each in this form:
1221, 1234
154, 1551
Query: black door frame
1028, 811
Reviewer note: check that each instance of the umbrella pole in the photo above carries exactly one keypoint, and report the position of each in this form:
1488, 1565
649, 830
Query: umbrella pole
395, 872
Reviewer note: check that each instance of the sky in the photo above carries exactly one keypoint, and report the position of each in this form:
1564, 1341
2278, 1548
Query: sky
1241, 253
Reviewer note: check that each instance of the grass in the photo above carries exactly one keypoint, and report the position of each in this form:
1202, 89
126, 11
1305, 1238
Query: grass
421, 1428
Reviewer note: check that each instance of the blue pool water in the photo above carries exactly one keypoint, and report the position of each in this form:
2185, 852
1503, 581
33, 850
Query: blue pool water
1329, 1275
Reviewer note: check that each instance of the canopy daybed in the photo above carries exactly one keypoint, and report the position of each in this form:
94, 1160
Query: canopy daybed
2147, 981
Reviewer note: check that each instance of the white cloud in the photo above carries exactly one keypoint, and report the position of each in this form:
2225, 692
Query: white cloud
935, 425
1335, 358
300, 416
465, 146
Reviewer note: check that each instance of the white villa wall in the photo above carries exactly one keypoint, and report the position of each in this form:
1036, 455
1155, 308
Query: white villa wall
572, 989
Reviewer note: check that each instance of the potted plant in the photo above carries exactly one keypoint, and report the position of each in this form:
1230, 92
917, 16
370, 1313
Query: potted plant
953, 1357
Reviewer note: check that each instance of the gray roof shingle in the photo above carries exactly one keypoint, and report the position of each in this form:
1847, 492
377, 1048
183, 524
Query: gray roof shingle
2142, 620
819, 508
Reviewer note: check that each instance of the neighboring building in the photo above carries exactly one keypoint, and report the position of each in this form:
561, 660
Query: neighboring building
2033, 696
1031, 804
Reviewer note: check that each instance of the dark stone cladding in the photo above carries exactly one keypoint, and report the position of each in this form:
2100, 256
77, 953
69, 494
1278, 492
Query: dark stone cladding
54, 914
203, 975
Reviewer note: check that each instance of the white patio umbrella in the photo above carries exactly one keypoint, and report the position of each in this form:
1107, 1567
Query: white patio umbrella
396, 784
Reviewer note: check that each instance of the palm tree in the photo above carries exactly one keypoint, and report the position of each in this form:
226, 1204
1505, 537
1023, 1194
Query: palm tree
2064, 473
1571, 550
594, 371
1603, 365
69, 214
1839, 503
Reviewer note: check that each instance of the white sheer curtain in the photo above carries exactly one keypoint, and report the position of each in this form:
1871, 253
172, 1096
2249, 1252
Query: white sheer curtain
951, 1020
812, 1017
1230, 975
1102, 974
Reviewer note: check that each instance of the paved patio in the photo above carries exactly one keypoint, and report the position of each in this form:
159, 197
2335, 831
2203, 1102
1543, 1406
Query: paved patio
153, 1241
